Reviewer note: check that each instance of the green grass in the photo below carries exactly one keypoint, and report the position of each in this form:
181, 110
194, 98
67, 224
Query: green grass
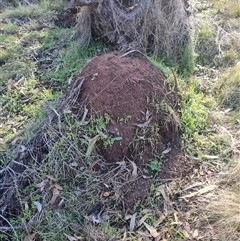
44, 8
194, 112
33, 62
185, 65
70, 60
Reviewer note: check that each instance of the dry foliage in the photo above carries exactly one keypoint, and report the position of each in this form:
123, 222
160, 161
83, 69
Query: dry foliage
224, 208
159, 26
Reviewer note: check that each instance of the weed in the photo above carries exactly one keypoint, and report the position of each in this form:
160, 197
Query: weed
124, 119
156, 164
98, 126
194, 111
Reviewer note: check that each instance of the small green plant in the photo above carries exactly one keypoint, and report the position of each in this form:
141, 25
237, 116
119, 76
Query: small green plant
194, 112
124, 119
156, 164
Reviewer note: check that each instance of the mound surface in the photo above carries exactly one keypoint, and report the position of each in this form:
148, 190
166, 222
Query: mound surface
141, 105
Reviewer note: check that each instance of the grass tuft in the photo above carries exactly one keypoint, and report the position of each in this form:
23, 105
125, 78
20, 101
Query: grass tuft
228, 88
224, 208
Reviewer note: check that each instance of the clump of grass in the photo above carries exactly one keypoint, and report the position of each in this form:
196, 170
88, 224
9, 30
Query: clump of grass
205, 44
185, 65
227, 7
31, 10
224, 209
70, 60
230, 58
194, 111
228, 88
35, 65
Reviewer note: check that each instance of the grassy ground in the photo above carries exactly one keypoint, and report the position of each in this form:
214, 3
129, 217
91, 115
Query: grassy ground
39, 61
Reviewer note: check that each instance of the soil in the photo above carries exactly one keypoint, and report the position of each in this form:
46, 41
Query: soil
143, 107
134, 93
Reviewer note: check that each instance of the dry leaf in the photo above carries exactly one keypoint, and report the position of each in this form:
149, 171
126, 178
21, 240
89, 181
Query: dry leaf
78, 237
143, 219
164, 195
94, 163
207, 189
58, 187
30, 238
55, 195
185, 233
14, 141
124, 236
193, 185
152, 230
121, 163
42, 184
134, 172
83, 122
106, 185
201, 191
127, 217
167, 151
67, 111
160, 220
210, 157
91, 145
70, 238
195, 233
51, 178
38, 205
145, 124
94, 76
132, 222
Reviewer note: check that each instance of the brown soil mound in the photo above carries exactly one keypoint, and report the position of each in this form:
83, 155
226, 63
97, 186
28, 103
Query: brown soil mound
141, 105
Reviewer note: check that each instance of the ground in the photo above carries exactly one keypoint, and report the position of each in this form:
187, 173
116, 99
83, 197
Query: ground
83, 159
142, 110
131, 91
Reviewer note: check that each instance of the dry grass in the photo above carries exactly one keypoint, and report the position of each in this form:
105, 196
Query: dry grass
228, 88
228, 7
83, 27
224, 209
161, 27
